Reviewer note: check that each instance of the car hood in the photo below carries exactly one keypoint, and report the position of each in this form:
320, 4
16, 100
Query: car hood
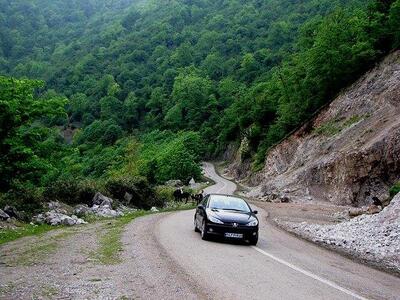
229, 216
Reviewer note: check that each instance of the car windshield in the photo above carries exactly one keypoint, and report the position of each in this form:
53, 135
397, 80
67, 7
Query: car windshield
228, 203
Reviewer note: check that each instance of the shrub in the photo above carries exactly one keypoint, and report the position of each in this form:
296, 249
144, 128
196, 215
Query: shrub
394, 189
72, 191
26, 199
176, 162
143, 196
165, 193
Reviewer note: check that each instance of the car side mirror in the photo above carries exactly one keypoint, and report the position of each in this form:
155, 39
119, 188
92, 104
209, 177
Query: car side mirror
200, 206
255, 212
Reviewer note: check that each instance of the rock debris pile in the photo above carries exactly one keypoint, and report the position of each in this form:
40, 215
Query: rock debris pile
55, 218
374, 238
60, 214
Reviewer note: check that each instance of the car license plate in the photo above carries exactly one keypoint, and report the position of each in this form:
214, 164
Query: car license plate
234, 235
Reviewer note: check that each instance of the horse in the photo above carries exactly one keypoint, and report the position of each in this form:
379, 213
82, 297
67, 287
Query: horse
179, 195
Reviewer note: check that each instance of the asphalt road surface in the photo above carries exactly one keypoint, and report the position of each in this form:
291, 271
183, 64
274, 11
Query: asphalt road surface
281, 266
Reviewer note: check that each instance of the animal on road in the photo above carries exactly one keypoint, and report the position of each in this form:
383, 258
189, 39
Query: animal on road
179, 195
197, 197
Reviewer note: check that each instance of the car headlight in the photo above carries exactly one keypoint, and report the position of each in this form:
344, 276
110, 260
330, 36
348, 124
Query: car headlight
252, 223
215, 220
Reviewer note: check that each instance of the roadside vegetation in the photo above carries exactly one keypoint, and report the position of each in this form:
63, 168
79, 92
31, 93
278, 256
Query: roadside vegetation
122, 97
395, 189
109, 237
22, 230
110, 241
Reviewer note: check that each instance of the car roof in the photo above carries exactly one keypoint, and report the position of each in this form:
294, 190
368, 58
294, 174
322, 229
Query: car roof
225, 195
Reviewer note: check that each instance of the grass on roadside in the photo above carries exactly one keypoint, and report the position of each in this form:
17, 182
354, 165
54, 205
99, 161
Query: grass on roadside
11, 234
110, 238
110, 244
37, 250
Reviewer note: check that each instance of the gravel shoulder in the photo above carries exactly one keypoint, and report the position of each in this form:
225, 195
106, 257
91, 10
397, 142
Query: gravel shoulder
63, 264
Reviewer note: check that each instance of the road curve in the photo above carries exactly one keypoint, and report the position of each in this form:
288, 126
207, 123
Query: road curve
221, 185
281, 266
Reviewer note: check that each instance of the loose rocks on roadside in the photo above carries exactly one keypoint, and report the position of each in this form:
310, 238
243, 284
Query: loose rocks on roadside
372, 238
61, 214
55, 218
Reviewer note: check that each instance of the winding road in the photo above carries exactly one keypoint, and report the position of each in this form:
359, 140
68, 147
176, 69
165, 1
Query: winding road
279, 267
161, 257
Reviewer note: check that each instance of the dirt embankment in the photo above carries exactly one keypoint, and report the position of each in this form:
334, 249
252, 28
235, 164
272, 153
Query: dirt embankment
348, 154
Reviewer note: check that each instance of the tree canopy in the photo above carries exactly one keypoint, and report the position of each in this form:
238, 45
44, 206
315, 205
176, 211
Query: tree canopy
167, 83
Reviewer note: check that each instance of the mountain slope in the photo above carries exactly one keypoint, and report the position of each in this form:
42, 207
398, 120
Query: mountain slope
347, 154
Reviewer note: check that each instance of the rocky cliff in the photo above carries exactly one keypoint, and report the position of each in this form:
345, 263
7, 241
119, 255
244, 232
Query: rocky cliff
347, 154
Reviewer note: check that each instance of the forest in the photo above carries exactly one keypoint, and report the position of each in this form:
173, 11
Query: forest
100, 94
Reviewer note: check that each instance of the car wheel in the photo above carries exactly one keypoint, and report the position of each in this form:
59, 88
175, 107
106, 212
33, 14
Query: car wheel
253, 241
204, 234
195, 226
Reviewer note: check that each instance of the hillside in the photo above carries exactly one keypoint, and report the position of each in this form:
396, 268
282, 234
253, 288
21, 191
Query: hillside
95, 93
347, 154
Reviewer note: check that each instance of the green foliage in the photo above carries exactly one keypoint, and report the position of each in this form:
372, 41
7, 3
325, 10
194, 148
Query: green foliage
8, 235
105, 132
72, 191
155, 86
395, 189
166, 193
143, 195
25, 141
168, 156
394, 23
176, 162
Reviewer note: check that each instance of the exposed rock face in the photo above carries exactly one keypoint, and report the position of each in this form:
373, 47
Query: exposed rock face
375, 238
348, 154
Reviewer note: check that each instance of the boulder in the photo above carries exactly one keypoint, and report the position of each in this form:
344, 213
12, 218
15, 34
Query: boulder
81, 209
355, 211
68, 221
128, 197
4, 216
106, 212
101, 200
373, 209
39, 219
12, 212
154, 209
59, 207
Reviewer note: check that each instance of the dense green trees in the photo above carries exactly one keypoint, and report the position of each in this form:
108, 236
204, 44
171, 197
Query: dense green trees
153, 87
26, 144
